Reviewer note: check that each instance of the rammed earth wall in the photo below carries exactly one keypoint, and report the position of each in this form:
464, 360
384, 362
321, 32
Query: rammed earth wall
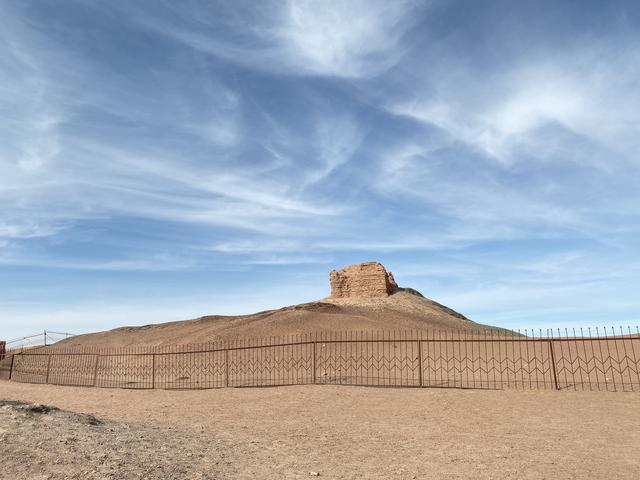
363, 280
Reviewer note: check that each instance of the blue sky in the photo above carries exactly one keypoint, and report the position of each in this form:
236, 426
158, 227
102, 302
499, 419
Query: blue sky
164, 160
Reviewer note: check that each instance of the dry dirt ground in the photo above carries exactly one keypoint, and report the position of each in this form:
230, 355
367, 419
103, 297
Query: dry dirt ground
337, 432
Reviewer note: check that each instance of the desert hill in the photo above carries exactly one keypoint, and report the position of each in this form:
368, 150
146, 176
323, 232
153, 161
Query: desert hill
364, 298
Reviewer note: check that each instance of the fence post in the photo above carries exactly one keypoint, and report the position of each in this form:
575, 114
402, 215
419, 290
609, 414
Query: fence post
95, 371
313, 365
553, 365
11, 367
153, 371
420, 362
226, 367
48, 368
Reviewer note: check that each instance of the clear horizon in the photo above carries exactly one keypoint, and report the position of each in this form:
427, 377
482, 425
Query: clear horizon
162, 161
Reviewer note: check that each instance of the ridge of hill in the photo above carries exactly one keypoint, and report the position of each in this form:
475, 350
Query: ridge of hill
404, 310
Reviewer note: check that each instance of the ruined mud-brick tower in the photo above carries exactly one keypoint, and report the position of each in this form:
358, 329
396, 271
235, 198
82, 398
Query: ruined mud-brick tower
362, 280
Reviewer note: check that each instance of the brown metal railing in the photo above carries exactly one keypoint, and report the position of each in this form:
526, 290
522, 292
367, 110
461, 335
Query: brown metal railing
576, 360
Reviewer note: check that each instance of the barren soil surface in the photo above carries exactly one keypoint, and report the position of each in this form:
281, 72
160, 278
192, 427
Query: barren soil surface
337, 432
43, 442
401, 311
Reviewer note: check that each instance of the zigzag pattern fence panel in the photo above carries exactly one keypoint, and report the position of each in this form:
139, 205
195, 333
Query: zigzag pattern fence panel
489, 363
193, 370
270, 364
384, 359
30, 368
123, 370
582, 360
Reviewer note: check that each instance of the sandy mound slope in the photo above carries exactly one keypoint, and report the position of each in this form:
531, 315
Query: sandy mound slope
404, 310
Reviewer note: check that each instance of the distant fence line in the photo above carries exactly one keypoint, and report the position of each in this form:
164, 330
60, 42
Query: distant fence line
28, 342
577, 360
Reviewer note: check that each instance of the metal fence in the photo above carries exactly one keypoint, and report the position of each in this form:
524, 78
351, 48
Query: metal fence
29, 342
606, 359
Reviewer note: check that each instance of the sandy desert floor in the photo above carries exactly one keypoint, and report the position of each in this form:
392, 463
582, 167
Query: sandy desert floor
337, 432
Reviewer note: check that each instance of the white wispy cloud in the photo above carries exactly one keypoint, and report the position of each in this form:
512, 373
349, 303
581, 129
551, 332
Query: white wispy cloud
287, 260
246, 137
538, 107
53, 177
305, 37
351, 39
476, 203
513, 153
244, 245
337, 139
156, 263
